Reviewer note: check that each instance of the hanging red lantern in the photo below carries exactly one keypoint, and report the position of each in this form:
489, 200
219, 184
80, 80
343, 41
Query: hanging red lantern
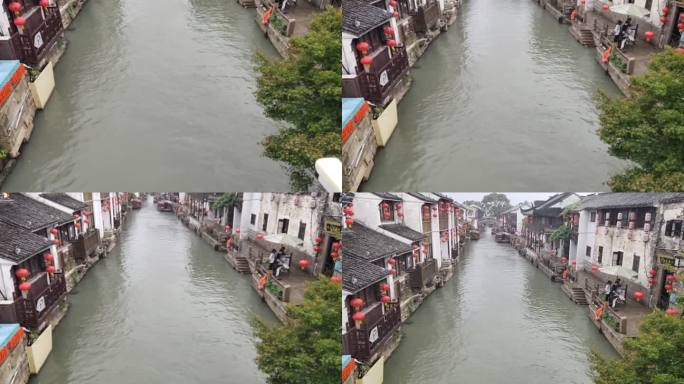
396, 14
359, 316
22, 273
348, 211
605, 7
15, 7
670, 278
260, 236
366, 61
385, 299
638, 295
651, 281
237, 231
384, 287
44, 3
391, 43
400, 214
317, 240
303, 264
336, 279
393, 3
54, 231
415, 246
349, 221
50, 269
663, 19
665, 10
393, 271
681, 17
680, 26
19, 21
397, 205
649, 35
316, 248
226, 228
336, 245
48, 257
385, 204
652, 272
24, 288
391, 261
668, 287
357, 303
334, 255
56, 242
362, 47
672, 311
594, 268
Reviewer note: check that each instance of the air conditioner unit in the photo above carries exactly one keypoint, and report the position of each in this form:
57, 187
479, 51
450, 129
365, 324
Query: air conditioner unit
606, 223
619, 216
647, 227
647, 216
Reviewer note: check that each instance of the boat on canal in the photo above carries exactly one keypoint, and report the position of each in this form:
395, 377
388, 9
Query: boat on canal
502, 237
474, 234
165, 206
136, 203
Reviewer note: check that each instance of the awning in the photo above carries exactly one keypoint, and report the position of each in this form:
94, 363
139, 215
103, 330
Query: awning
630, 10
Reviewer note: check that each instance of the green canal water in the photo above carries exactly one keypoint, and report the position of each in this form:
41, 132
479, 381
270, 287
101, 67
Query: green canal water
498, 320
502, 101
154, 95
162, 308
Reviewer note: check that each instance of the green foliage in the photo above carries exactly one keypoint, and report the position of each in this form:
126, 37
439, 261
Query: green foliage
561, 233
3, 153
227, 200
655, 357
618, 62
611, 320
647, 127
304, 89
495, 203
308, 349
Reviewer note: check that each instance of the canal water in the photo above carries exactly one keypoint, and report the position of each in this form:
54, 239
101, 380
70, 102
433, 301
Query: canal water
154, 95
498, 320
162, 308
502, 101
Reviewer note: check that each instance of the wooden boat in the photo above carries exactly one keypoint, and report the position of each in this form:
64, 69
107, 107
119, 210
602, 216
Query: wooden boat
165, 206
136, 203
502, 237
474, 234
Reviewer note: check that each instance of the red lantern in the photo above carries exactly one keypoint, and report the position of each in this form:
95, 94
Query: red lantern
362, 47
393, 3
385, 299
44, 3
317, 240
56, 242
334, 255
391, 261
681, 17
397, 205
316, 248
15, 7
54, 231
19, 21
336, 279
227, 228
668, 287
652, 272
303, 264
25, 287
415, 246
665, 10
670, 278
22, 273
359, 316
594, 268
348, 211
638, 295
384, 287
50, 269
48, 257
336, 245
349, 221
651, 282
393, 272
391, 43
672, 311
385, 204
680, 26
396, 14
574, 262
260, 236
237, 231
605, 7
583, 2
663, 19
357, 303
400, 214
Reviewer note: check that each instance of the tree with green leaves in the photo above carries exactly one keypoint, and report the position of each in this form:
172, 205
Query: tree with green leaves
647, 127
304, 89
229, 200
308, 349
656, 356
494, 204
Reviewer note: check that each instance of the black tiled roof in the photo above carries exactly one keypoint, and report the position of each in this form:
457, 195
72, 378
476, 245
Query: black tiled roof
365, 243
64, 200
359, 17
403, 231
545, 208
358, 274
387, 196
630, 199
443, 196
13, 239
30, 214
422, 197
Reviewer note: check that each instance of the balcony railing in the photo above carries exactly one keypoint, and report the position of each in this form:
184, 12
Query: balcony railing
33, 310
364, 342
85, 244
43, 26
384, 74
423, 274
427, 17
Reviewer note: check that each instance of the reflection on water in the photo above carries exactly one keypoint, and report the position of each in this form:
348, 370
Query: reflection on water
499, 320
162, 308
154, 95
502, 101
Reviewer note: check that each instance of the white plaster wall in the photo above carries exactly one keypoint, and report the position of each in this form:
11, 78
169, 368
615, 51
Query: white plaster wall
348, 56
251, 202
618, 241
296, 208
366, 209
586, 236
6, 280
4, 24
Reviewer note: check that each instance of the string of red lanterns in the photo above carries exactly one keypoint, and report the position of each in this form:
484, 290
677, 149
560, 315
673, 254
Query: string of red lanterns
348, 212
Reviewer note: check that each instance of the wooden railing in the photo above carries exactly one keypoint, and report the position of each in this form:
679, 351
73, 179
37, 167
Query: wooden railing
628, 62
33, 310
363, 342
86, 244
48, 29
376, 84
423, 274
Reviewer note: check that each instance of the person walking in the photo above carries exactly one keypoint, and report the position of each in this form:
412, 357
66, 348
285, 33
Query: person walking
617, 32
608, 289
272, 261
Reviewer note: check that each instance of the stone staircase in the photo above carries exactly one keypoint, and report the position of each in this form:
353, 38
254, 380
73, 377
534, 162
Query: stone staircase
576, 294
583, 34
